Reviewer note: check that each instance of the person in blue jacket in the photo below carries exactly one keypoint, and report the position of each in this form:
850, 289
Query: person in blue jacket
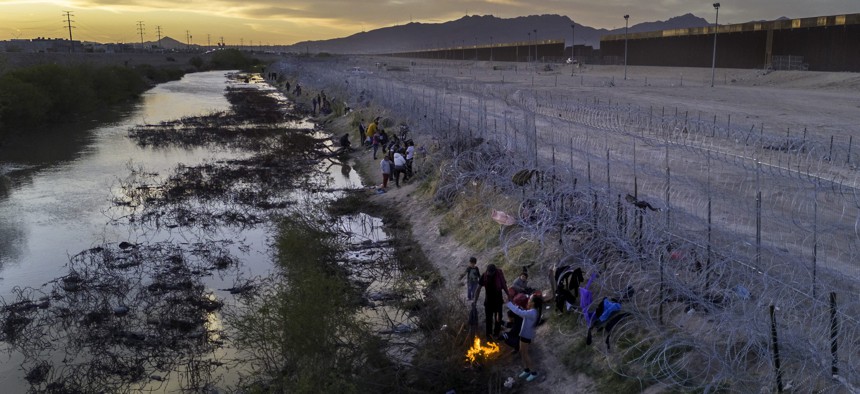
531, 318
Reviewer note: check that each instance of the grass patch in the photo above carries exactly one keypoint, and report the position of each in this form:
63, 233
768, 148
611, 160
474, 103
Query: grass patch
470, 223
586, 359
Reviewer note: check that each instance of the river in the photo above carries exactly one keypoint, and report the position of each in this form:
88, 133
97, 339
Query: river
56, 201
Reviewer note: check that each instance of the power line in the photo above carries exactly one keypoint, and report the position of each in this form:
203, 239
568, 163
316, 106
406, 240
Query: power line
69, 24
140, 30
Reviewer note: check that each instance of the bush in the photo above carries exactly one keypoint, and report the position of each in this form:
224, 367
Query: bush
230, 59
33, 95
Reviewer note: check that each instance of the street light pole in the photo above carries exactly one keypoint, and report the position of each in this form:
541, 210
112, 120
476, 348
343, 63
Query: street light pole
536, 46
491, 48
572, 43
626, 17
714, 58
529, 47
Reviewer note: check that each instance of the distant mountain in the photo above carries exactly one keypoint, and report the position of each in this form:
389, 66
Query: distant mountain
482, 30
678, 22
168, 43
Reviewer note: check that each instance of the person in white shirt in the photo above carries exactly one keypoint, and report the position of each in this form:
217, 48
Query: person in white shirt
399, 167
410, 154
385, 166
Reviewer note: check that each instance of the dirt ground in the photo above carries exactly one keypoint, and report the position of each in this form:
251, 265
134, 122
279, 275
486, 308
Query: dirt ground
824, 103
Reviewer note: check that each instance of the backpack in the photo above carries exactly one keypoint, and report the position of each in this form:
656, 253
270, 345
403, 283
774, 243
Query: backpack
567, 280
609, 312
474, 274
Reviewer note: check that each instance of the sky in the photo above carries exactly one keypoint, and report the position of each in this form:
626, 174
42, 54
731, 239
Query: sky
279, 22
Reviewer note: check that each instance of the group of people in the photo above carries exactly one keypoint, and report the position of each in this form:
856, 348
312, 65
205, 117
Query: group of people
524, 310
397, 155
321, 104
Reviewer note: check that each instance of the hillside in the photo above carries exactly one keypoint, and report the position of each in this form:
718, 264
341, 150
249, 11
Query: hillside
481, 30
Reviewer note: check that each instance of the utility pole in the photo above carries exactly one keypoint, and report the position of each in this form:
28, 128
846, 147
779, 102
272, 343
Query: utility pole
222, 41
158, 33
208, 40
536, 46
187, 39
626, 17
69, 24
714, 59
491, 48
572, 45
140, 30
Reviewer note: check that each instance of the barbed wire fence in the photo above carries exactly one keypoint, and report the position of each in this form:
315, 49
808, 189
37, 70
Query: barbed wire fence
742, 261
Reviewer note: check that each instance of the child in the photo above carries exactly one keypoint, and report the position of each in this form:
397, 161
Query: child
512, 335
531, 317
473, 275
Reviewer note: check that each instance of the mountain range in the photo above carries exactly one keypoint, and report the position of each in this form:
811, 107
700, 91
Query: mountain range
480, 30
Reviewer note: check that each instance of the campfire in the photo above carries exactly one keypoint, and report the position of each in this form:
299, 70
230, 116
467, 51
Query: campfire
476, 351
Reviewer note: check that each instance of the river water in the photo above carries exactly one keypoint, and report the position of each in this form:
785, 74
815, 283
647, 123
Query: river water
55, 201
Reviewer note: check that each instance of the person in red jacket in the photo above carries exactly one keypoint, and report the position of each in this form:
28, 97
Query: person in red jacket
493, 280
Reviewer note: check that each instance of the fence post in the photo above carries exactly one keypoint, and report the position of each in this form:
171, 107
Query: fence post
850, 141
729, 127
834, 332
814, 239
830, 155
775, 342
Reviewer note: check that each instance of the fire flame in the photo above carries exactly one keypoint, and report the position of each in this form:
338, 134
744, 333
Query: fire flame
478, 350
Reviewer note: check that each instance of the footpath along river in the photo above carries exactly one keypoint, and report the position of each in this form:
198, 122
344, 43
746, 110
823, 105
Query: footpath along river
57, 200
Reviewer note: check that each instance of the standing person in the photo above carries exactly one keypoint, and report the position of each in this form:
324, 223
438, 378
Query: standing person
314, 102
383, 140
494, 281
361, 132
399, 167
473, 275
385, 166
371, 129
374, 143
531, 318
410, 154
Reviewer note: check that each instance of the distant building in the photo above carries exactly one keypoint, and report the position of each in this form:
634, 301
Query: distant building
40, 45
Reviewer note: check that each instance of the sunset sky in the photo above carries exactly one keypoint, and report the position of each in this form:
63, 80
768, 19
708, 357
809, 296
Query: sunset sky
289, 21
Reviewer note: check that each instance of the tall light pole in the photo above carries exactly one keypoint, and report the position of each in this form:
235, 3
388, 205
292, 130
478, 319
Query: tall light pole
536, 46
626, 17
714, 58
476, 49
491, 48
529, 47
572, 43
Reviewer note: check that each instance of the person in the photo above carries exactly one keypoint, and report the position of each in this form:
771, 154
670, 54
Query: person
641, 204
383, 140
344, 141
314, 102
494, 281
531, 316
512, 335
374, 143
385, 166
361, 132
473, 275
371, 129
410, 154
399, 167
521, 284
